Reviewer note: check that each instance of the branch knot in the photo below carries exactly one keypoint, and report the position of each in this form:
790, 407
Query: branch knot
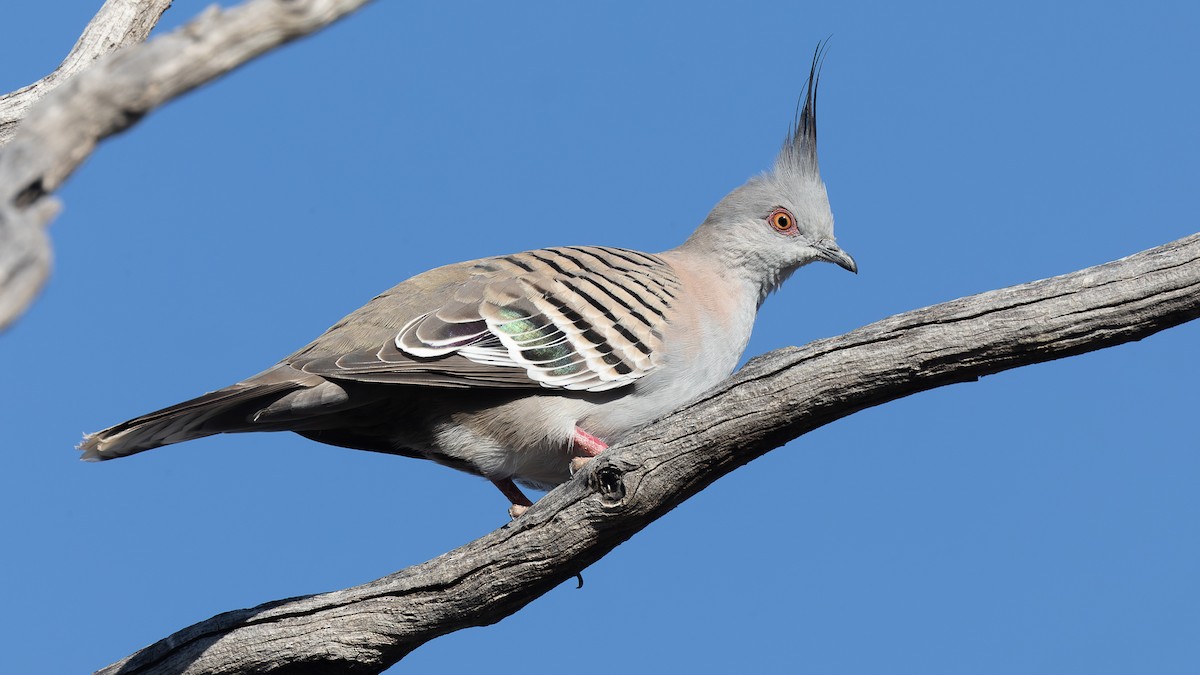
609, 481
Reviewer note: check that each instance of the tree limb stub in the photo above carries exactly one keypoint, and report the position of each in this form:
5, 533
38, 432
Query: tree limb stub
64, 127
775, 398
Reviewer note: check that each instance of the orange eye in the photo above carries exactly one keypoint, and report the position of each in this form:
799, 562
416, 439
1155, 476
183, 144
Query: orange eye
781, 219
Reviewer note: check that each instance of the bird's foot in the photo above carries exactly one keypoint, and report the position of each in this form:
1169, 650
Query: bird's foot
584, 446
578, 463
520, 503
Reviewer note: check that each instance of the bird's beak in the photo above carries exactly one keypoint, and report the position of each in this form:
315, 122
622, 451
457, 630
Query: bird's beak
829, 252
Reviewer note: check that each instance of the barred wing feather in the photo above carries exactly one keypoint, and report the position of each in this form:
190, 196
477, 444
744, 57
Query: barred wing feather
585, 318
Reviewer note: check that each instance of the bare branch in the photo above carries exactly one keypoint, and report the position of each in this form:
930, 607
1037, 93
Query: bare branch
24, 249
109, 97
773, 399
118, 23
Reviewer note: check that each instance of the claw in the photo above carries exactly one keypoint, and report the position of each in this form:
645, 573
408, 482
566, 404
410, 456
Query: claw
578, 463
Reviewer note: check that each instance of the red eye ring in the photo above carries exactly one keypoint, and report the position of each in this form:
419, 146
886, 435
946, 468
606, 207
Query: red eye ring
782, 220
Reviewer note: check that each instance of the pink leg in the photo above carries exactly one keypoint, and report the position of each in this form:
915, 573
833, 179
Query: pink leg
520, 503
584, 446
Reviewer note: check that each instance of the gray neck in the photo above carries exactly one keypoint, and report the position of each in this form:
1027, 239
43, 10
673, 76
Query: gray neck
757, 275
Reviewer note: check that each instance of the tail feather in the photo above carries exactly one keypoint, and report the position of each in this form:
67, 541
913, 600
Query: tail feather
280, 398
224, 410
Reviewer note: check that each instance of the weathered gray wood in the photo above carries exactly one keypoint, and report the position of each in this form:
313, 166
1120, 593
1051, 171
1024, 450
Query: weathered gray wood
24, 249
118, 23
773, 399
63, 128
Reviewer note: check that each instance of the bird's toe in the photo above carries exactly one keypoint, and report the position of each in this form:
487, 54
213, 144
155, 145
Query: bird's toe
578, 463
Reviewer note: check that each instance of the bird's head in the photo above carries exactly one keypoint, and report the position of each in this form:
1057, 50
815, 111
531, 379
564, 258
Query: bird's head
780, 220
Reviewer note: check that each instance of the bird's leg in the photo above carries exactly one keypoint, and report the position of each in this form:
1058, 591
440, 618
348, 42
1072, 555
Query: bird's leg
584, 446
520, 503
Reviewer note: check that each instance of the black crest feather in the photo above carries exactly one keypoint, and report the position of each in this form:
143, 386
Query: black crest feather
800, 147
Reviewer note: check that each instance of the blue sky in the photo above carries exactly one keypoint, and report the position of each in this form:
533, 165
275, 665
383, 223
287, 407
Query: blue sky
1039, 521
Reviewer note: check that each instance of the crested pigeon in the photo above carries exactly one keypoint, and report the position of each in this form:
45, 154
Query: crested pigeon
520, 367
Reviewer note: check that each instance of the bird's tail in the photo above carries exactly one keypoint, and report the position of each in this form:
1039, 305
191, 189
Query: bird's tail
256, 404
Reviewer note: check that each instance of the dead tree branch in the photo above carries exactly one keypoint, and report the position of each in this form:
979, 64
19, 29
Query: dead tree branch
64, 127
118, 23
24, 249
775, 398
